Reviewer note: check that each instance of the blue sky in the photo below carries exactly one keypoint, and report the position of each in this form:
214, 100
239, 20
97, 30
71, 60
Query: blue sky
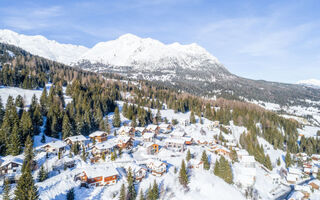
270, 40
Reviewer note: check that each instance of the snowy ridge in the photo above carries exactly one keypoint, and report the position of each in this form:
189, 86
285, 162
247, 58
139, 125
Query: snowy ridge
147, 53
41, 46
310, 82
128, 50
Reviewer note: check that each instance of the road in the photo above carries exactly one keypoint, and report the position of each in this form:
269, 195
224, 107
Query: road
288, 194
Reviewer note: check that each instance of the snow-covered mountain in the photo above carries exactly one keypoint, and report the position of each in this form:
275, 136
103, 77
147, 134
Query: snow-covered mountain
187, 68
128, 50
41, 46
310, 83
148, 54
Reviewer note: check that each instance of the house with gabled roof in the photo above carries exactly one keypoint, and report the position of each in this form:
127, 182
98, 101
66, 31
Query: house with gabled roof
77, 139
153, 128
148, 137
54, 147
156, 167
124, 142
175, 144
98, 136
99, 175
126, 131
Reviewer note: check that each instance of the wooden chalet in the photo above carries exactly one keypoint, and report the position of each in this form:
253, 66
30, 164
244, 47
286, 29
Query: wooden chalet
98, 136
54, 147
152, 148
125, 142
153, 128
156, 167
126, 131
98, 176
78, 139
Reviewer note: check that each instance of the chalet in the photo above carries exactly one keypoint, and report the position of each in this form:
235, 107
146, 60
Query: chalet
165, 128
78, 139
195, 164
156, 167
126, 131
124, 142
103, 147
213, 125
275, 178
148, 137
247, 172
98, 136
178, 134
152, 148
220, 150
315, 184
99, 175
139, 131
188, 140
11, 166
241, 153
304, 189
153, 128
65, 162
302, 156
292, 178
54, 147
174, 144
138, 171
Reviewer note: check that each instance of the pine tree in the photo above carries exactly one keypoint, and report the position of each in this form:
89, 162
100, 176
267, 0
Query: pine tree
6, 189
133, 122
155, 190
26, 189
26, 126
150, 195
66, 127
14, 147
43, 174
318, 175
43, 102
278, 162
268, 162
192, 118
234, 156
122, 192
141, 195
158, 116
183, 176
37, 121
70, 194
188, 156
28, 153
131, 194
116, 118
107, 126
288, 160
204, 159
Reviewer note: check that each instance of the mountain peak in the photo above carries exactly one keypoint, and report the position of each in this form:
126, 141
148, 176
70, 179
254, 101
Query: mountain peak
129, 36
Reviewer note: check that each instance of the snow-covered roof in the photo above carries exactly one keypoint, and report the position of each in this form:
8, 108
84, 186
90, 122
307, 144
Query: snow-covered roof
155, 163
195, 161
164, 126
187, 139
174, 140
178, 133
134, 167
292, 177
10, 159
100, 170
140, 129
125, 129
123, 139
56, 144
97, 133
152, 127
148, 135
274, 176
76, 138
248, 159
294, 170
105, 145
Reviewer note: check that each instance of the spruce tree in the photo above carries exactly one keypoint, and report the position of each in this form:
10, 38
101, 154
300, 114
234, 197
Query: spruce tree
116, 118
204, 159
66, 127
188, 155
268, 162
26, 189
122, 192
131, 194
14, 147
70, 194
183, 176
155, 190
37, 121
141, 195
43, 102
43, 174
288, 159
192, 118
6, 189
26, 126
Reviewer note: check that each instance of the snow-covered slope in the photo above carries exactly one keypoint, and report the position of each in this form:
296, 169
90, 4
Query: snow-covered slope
310, 82
41, 46
147, 53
